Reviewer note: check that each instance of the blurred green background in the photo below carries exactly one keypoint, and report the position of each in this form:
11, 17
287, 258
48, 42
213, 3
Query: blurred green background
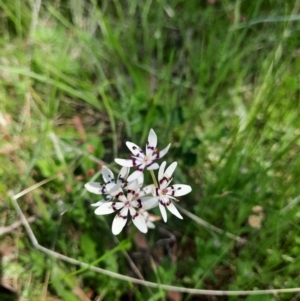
219, 79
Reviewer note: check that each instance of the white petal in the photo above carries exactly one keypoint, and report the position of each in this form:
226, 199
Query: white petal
109, 207
151, 144
149, 202
163, 212
96, 188
166, 184
179, 189
134, 175
121, 197
140, 180
138, 220
112, 187
152, 166
124, 162
136, 150
116, 191
107, 175
147, 190
170, 170
161, 170
133, 185
136, 203
123, 174
132, 190
97, 204
120, 221
173, 209
150, 225
168, 176
161, 153
154, 218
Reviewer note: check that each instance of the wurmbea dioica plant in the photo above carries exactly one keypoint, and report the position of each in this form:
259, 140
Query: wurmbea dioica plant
127, 195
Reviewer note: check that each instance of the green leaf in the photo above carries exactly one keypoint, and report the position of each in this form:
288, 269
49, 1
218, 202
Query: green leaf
88, 246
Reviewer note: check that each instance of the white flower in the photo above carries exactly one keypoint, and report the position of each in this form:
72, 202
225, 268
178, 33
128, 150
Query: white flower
111, 187
128, 204
167, 194
149, 218
140, 159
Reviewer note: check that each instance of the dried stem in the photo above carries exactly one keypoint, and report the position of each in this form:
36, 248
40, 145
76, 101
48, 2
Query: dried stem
131, 279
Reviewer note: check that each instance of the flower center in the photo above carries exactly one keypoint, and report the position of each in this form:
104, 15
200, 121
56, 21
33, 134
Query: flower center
146, 159
164, 191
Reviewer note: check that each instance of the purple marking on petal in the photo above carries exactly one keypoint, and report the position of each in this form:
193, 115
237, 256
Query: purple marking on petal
173, 191
119, 194
139, 203
121, 179
151, 163
122, 216
163, 203
149, 146
135, 148
135, 215
164, 179
131, 191
156, 191
113, 206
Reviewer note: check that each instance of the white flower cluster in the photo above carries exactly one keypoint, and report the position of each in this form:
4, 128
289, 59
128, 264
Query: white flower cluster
126, 194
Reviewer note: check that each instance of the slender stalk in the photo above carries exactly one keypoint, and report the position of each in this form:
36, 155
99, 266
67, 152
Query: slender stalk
154, 178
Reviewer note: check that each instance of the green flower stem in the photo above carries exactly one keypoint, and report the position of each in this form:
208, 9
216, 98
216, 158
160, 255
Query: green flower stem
153, 178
